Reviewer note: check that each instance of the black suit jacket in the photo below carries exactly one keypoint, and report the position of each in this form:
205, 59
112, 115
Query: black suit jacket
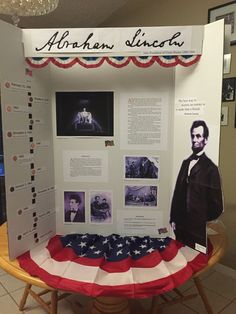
197, 199
79, 216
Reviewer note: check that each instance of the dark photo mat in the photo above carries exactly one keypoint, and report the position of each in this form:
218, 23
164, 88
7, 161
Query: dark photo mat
87, 113
228, 89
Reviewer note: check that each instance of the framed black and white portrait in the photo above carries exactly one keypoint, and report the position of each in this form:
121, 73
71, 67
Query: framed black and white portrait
227, 12
228, 89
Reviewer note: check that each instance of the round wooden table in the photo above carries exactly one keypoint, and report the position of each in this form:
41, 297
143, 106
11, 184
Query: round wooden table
13, 268
108, 305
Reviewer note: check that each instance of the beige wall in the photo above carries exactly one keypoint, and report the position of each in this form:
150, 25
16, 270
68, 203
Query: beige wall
193, 12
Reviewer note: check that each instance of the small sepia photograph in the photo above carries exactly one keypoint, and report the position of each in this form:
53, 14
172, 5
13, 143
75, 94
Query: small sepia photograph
74, 207
85, 113
101, 207
141, 167
228, 89
141, 195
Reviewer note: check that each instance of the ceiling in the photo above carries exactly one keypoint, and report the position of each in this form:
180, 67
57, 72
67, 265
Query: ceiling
75, 13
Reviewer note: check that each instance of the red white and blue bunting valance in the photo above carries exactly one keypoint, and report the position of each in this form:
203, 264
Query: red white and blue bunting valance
117, 62
131, 267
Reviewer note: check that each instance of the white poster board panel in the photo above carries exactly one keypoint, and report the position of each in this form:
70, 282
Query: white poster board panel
197, 110
31, 128
29, 169
198, 89
124, 82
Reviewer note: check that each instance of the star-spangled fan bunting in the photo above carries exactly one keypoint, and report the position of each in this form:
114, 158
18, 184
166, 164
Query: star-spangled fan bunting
95, 265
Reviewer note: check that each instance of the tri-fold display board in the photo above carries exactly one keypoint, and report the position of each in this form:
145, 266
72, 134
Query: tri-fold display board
96, 147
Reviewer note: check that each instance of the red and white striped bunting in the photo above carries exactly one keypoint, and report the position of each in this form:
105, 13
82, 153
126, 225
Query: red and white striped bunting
152, 274
118, 62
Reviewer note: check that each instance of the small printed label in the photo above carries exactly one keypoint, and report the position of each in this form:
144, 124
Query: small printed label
41, 169
23, 133
38, 170
23, 159
41, 100
39, 121
200, 248
42, 144
189, 107
14, 108
21, 186
29, 232
45, 214
17, 86
46, 190
25, 210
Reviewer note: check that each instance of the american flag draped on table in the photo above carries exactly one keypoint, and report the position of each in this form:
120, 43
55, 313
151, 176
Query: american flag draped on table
95, 265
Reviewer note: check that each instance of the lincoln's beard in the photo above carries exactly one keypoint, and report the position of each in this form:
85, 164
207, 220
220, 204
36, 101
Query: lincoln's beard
197, 150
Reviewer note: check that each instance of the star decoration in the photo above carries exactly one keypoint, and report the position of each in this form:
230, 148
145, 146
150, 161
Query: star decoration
150, 250
143, 246
82, 244
120, 252
97, 252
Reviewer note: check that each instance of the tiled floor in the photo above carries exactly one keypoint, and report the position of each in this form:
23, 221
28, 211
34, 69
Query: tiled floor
220, 289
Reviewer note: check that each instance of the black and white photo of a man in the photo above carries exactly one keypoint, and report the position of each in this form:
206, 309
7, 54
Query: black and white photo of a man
197, 195
74, 210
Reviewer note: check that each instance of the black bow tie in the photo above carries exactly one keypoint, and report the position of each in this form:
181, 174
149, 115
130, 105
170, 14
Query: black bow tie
73, 211
194, 157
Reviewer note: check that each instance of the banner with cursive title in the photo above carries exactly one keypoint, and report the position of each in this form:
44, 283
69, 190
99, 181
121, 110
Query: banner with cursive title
132, 41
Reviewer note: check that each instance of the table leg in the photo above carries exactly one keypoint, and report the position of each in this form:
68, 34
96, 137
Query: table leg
25, 296
154, 305
54, 300
202, 295
108, 305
